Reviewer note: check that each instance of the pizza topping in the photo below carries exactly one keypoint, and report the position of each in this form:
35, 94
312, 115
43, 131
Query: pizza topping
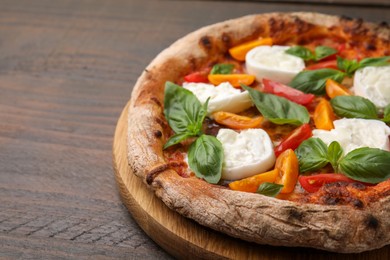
354, 107
235, 121
313, 183
222, 68
350, 66
274, 63
334, 89
234, 79
293, 140
184, 113
290, 93
373, 83
313, 81
323, 115
278, 110
205, 157
269, 189
288, 166
223, 97
252, 183
197, 77
329, 64
246, 153
355, 133
320, 52
239, 52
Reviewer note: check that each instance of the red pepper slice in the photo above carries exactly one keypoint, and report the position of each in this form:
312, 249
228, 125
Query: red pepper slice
293, 140
314, 182
329, 64
196, 77
290, 93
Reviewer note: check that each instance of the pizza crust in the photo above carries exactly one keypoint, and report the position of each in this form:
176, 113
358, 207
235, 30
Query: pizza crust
251, 217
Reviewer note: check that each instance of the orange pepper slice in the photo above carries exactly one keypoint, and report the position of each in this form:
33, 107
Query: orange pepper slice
334, 89
235, 121
235, 79
288, 169
239, 52
323, 115
251, 184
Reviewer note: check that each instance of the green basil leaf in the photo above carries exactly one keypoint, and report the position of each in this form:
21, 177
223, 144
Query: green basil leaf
300, 52
349, 66
322, 52
335, 151
177, 138
278, 110
269, 189
222, 68
313, 81
367, 165
380, 61
312, 155
354, 107
386, 114
183, 110
205, 158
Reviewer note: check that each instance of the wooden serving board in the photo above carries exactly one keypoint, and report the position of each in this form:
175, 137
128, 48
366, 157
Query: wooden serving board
186, 239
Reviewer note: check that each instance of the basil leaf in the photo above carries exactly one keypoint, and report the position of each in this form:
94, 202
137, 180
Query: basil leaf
380, 61
183, 110
322, 52
205, 157
312, 155
349, 66
177, 138
222, 69
354, 107
313, 81
335, 151
367, 165
386, 114
278, 110
269, 189
300, 52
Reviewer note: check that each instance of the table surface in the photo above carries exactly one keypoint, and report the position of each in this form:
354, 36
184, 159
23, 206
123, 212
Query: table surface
66, 72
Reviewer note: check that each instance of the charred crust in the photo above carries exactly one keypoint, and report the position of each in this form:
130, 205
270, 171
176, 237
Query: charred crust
226, 40
294, 214
157, 134
161, 122
371, 222
357, 203
384, 24
329, 200
345, 18
205, 42
358, 186
152, 174
156, 100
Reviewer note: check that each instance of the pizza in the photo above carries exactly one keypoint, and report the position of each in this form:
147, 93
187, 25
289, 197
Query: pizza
271, 128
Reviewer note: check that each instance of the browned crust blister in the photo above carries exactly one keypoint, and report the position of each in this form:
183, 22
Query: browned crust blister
251, 217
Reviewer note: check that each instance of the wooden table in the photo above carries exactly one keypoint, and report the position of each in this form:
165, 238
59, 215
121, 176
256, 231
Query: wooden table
66, 72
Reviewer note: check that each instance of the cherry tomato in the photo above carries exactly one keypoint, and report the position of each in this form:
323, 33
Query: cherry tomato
290, 93
329, 64
196, 77
251, 184
236, 121
293, 140
314, 182
334, 89
288, 167
235, 79
323, 115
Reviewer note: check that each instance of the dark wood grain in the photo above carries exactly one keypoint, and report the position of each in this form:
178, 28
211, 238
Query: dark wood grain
66, 72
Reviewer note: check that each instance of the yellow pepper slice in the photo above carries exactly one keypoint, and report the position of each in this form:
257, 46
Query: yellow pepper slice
251, 184
334, 89
288, 169
235, 121
235, 79
323, 115
239, 52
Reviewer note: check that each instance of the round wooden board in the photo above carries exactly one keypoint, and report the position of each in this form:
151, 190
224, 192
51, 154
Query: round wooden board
186, 239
